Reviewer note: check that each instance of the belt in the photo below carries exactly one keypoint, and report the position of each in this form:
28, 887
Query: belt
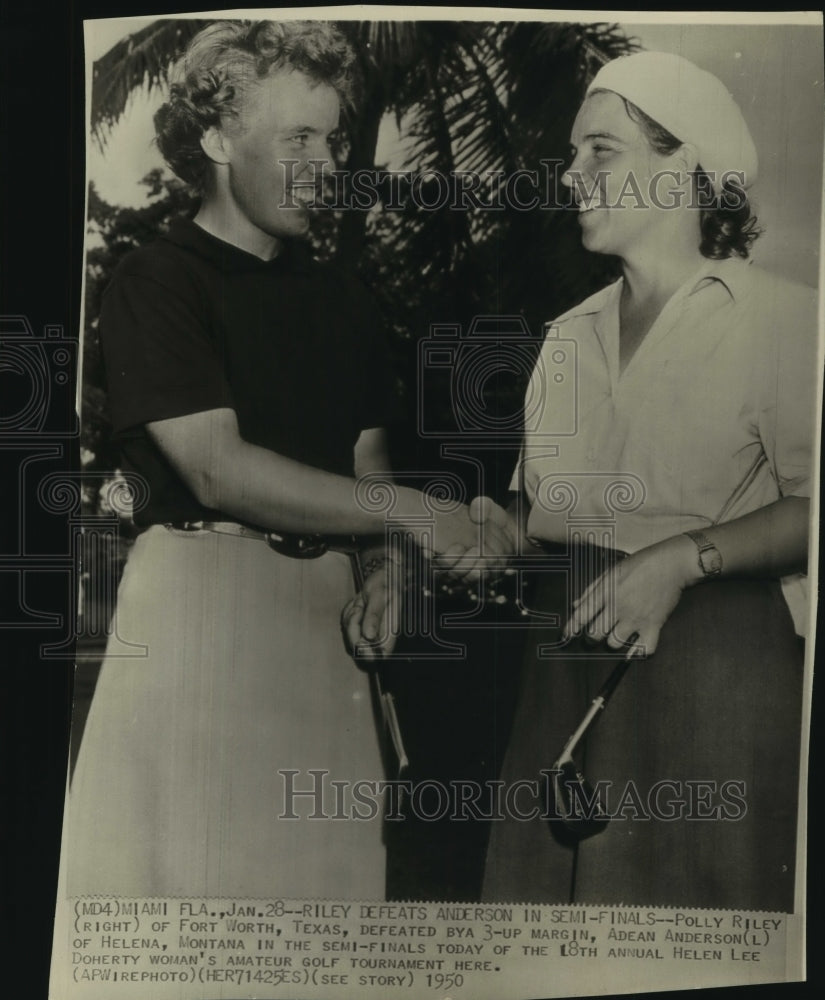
294, 546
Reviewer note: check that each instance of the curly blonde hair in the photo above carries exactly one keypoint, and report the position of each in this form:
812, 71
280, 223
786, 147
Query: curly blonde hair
221, 63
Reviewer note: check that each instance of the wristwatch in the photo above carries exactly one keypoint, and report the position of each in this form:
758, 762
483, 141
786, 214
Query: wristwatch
710, 558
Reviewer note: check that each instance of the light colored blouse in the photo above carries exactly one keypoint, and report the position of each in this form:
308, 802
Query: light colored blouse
712, 418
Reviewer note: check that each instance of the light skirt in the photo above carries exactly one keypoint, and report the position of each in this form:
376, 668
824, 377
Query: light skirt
179, 787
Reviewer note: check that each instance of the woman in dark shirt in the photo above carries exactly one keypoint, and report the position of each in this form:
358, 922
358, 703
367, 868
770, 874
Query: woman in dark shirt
248, 386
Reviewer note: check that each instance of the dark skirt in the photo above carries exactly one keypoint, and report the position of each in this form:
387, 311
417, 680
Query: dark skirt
697, 758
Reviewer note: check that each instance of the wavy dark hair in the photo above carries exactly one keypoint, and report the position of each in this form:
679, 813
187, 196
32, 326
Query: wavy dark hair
222, 62
726, 221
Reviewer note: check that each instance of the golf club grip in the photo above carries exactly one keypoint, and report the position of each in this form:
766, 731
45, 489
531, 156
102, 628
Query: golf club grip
612, 681
616, 674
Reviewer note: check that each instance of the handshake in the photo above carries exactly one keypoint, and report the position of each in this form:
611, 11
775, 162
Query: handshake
478, 536
460, 543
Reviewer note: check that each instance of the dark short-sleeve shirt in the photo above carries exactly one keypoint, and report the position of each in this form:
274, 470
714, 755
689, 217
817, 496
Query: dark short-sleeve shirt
297, 348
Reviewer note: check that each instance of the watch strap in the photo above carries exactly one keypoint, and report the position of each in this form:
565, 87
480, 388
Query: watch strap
710, 558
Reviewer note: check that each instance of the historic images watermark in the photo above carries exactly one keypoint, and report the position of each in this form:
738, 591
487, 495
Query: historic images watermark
316, 795
549, 186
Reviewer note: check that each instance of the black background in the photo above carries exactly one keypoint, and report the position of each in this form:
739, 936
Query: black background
41, 241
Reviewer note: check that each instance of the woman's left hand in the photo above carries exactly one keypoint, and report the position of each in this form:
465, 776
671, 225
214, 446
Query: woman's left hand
370, 620
637, 595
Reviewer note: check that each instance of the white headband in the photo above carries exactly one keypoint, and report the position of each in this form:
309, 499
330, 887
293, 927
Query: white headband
691, 104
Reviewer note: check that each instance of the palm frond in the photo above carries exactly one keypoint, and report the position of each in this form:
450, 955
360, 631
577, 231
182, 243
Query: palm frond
140, 60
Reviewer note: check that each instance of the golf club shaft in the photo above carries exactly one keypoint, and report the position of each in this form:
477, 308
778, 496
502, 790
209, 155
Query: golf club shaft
596, 706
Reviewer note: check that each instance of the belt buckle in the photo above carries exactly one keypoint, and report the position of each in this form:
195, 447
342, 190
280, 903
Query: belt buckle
297, 546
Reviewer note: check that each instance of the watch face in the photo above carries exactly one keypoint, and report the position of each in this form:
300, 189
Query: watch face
711, 561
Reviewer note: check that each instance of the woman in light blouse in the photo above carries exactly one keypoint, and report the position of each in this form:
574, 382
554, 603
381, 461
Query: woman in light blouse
681, 504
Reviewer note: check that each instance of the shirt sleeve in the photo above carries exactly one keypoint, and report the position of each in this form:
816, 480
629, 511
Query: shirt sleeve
788, 413
160, 361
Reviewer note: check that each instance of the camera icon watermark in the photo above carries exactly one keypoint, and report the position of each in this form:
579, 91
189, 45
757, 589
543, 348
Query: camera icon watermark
498, 381
37, 378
